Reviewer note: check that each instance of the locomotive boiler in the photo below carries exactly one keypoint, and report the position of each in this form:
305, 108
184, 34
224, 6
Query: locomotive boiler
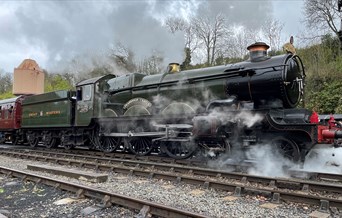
215, 109
262, 80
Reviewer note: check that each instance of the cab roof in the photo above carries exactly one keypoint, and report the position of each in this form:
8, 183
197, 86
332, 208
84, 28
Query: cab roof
95, 79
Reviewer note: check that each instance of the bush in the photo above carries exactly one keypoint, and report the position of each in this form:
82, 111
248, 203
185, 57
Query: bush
6, 95
327, 99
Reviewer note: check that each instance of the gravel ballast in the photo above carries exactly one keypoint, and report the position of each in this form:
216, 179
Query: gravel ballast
210, 202
19, 199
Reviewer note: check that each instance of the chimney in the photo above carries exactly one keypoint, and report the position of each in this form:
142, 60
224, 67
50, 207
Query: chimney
258, 51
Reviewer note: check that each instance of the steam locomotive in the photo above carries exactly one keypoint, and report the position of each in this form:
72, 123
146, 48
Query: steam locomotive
216, 110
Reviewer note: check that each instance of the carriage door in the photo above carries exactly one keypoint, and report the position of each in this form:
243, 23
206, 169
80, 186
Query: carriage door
84, 105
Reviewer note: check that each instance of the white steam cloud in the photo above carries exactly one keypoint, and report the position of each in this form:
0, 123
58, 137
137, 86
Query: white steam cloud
247, 118
54, 32
267, 161
328, 160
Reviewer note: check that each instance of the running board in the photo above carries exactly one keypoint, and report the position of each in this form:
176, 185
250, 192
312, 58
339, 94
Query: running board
135, 134
173, 126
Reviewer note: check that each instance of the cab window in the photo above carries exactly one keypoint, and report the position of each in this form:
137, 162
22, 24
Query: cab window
86, 93
102, 87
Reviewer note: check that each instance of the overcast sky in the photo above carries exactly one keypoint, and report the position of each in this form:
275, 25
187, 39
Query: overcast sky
52, 32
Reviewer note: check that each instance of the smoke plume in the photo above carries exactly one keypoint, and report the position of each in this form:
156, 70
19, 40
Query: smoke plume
55, 32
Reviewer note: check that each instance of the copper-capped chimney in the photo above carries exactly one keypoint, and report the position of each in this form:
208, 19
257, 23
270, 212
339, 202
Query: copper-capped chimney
258, 51
28, 78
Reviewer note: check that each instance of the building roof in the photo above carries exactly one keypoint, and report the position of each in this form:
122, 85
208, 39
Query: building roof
94, 80
28, 64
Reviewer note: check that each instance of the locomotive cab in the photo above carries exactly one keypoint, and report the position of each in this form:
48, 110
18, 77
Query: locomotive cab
90, 96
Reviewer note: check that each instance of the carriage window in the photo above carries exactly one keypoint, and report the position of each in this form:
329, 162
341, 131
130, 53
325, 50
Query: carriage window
86, 93
10, 110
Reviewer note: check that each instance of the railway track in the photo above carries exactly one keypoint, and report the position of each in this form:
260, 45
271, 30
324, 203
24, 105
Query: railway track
130, 159
302, 191
160, 164
117, 155
107, 198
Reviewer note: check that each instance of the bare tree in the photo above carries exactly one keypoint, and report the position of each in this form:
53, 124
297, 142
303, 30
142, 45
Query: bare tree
6, 81
239, 42
123, 57
175, 24
151, 65
322, 14
211, 32
272, 31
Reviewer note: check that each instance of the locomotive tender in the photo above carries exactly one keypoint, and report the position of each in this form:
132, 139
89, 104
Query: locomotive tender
216, 109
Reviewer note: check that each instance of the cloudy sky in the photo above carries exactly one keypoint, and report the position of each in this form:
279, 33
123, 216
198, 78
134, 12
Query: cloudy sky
52, 32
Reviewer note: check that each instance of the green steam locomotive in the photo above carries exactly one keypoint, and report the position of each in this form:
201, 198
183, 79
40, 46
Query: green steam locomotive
215, 110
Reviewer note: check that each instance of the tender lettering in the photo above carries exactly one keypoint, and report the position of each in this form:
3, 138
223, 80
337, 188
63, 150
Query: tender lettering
52, 112
33, 114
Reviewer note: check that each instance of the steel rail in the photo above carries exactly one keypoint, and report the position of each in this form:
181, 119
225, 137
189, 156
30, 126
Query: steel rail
241, 187
124, 156
132, 160
155, 162
135, 168
107, 198
238, 188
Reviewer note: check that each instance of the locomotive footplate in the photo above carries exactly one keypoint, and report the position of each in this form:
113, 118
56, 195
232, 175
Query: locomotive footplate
176, 132
134, 134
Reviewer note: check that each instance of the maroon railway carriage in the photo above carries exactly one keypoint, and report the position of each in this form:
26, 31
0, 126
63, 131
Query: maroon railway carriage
10, 119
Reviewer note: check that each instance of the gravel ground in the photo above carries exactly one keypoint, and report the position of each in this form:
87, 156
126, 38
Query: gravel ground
25, 199
210, 202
